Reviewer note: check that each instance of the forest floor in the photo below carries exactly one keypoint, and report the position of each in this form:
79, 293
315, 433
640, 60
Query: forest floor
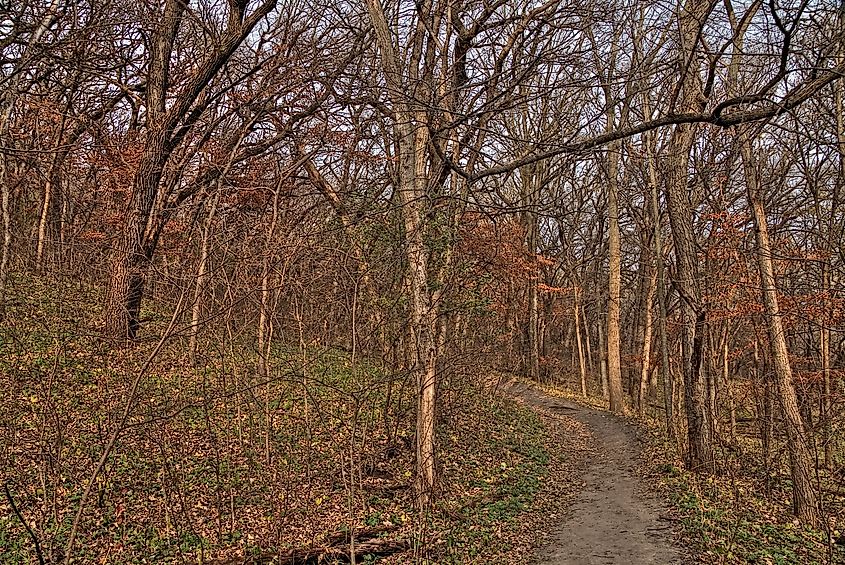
613, 518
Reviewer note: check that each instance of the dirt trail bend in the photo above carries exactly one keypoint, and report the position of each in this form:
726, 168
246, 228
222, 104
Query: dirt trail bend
612, 520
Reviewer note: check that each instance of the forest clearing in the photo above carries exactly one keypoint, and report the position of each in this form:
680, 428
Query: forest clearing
442, 281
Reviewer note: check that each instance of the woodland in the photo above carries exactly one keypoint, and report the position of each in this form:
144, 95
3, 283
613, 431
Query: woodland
266, 267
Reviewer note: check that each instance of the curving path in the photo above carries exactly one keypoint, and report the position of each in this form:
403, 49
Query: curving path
612, 520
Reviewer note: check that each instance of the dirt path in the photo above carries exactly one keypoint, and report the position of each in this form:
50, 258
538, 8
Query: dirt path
612, 520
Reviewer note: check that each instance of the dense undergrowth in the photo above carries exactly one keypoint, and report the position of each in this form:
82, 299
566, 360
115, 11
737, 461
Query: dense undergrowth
735, 516
217, 463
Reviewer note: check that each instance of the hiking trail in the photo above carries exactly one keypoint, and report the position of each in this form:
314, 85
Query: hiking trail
613, 518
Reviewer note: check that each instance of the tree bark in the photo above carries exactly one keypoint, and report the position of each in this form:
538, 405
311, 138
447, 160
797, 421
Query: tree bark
681, 216
614, 369
265, 315
202, 281
411, 141
665, 369
47, 210
699, 454
804, 499
533, 280
587, 340
645, 366
167, 126
137, 245
581, 363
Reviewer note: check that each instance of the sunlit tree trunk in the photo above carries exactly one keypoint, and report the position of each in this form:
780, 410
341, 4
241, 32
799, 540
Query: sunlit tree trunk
411, 141
804, 499
528, 183
645, 366
202, 281
614, 369
266, 313
47, 210
581, 364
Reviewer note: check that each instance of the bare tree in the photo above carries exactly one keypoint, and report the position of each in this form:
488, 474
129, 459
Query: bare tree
167, 125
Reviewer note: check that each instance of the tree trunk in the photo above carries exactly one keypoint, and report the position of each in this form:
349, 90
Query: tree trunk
44, 220
681, 218
6, 251
581, 363
603, 363
587, 340
166, 108
265, 314
699, 454
665, 369
202, 280
764, 406
614, 369
825, 334
136, 248
645, 368
726, 380
412, 144
827, 399
533, 281
804, 500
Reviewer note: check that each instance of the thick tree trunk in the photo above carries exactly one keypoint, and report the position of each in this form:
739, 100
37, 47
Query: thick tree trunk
133, 254
412, 144
425, 351
804, 499
681, 211
665, 369
165, 109
681, 218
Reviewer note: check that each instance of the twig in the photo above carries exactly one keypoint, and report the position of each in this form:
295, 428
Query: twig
120, 427
29, 531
